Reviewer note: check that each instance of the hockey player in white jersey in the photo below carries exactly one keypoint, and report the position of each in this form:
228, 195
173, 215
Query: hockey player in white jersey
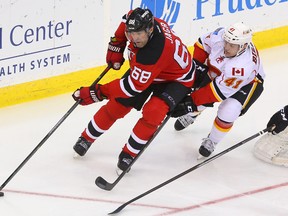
235, 79
273, 147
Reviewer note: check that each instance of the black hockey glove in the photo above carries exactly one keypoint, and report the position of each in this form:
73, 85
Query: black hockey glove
280, 120
184, 107
201, 75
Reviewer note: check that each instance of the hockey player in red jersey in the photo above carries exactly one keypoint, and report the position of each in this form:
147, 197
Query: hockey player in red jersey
160, 64
235, 79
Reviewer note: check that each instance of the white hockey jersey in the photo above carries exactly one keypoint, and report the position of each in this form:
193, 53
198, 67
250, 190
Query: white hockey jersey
230, 74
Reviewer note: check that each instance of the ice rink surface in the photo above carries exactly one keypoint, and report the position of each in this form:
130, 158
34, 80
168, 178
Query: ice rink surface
53, 183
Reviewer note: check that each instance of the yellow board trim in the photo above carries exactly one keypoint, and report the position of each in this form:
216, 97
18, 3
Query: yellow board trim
69, 82
52, 86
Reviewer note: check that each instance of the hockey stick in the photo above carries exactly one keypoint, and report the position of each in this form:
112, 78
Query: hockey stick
50, 133
191, 169
102, 183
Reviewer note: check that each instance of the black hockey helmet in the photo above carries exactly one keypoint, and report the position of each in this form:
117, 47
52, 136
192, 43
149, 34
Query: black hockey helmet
139, 19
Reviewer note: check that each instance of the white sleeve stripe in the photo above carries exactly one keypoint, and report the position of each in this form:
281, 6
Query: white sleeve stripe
123, 89
192, 77
186, 74
132, 85
133, 91
159, 80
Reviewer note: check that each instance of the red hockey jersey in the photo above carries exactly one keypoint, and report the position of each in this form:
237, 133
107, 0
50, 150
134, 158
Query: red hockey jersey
163, 59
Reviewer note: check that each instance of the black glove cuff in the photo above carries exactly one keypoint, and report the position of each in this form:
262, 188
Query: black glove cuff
286, 111
116, 46
96, 94
185, 106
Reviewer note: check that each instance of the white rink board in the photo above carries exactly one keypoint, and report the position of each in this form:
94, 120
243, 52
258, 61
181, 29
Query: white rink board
41, 39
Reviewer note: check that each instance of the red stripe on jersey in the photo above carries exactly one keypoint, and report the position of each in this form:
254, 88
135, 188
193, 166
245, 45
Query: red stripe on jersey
199, 53
204, 95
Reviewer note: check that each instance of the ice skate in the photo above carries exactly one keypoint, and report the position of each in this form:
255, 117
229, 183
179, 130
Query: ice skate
206, 148
184, 121
81, 147
124, 161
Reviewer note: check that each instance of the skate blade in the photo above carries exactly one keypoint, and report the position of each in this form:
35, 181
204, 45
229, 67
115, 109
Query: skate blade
118, 171
76, 156
201, 157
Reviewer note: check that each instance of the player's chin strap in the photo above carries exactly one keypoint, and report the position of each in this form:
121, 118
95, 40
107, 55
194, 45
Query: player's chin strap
51, 131
191, 169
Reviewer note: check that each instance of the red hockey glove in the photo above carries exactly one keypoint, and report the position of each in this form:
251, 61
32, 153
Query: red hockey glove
114, 54
88, 95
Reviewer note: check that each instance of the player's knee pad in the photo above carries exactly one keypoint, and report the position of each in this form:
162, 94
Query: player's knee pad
154, 111
229, 110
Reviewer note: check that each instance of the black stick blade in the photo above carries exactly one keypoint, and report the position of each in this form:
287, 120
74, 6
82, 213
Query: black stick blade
103, 184
118, 209
1, 194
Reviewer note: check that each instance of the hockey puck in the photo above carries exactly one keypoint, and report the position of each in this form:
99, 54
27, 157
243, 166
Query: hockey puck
1, 194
